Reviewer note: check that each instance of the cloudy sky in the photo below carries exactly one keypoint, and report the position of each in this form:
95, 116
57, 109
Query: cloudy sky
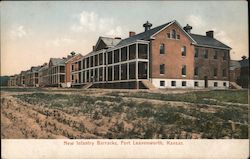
32, 32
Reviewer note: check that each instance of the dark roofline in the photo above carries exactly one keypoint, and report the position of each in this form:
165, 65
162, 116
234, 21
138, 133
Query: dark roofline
227, 47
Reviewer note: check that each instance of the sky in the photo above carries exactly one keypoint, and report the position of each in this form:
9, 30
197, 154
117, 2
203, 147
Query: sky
33, 32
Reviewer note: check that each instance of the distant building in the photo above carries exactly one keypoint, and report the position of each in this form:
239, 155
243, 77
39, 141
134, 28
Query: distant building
239, 72
166, 56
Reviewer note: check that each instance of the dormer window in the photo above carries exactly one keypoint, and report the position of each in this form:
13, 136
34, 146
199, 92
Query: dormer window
173, 34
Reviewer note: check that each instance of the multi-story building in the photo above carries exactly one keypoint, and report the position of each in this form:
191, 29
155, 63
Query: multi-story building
43, 75
56, 72
239, 72
12, 81
167, 56
71, 64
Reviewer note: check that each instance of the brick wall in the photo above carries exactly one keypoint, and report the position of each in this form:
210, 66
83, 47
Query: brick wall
172, 58
207, 65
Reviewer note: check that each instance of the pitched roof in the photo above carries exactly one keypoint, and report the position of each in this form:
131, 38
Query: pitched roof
143, 36
35, 68
234, 64
244, 63
110, 42
208, 41
57, 61
44, 67
70, 58
199, 39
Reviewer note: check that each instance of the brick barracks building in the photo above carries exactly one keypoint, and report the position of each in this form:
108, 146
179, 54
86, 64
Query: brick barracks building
166, 56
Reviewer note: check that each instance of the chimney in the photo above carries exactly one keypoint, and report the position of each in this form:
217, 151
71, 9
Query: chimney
147, 26
118, 38
72, 53
188, 28
210, 33
131, 33
93, 47
243, 57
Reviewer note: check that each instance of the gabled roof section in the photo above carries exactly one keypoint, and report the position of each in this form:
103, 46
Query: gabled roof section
35, 68
147, 35
143, 36
57, 61
234, 64
73, 57
107, 42
44, 67
208, 41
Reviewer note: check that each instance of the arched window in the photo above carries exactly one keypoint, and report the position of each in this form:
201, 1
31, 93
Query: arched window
173, 34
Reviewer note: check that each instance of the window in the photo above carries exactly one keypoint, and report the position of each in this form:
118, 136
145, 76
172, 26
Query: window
72, 67
91, 61
124, 71
83, 64
110, 58
173, 34
178, 36
116, 72
173, 83
196, 69
100, 58
215, 55
124, 54
142, 51
224, 73
72, 77
196, 84
224, 84
162, 83
183, 70
183, 50
79, 65
215, 71
162, 69
87, 63
184, 83
196, 53
132, 51
168, 35
215, 84
96, 60
225, 56
162, 49
116, 56
205, 54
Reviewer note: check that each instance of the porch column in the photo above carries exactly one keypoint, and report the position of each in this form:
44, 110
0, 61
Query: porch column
136, 66
127, 63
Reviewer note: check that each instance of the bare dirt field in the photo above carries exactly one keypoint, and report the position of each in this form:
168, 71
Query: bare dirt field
51, 113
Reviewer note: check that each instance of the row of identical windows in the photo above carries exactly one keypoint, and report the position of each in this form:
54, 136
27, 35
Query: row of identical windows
183, 69
163, 49
205, 54
184, 83
215, 72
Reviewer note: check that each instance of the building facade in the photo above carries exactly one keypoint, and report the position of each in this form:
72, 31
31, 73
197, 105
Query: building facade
167, 56
239, 72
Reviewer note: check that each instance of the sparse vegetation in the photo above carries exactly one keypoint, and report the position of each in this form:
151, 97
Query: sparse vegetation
127, 115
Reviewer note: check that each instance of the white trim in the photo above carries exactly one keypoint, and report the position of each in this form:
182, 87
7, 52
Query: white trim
189, 83
134, 42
